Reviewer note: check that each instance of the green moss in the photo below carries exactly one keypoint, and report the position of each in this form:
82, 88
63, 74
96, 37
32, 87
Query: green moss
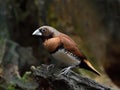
11, 87
26, 76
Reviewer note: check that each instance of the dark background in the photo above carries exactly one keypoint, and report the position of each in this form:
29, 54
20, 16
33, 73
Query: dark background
93, 24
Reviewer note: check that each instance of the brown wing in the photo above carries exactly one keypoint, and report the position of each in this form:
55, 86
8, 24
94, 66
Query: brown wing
52, 44
71, 46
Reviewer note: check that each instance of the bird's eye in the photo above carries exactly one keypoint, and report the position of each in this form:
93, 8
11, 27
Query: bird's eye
43, 30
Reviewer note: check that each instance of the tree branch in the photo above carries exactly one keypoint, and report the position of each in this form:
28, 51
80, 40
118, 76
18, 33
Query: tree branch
72, 81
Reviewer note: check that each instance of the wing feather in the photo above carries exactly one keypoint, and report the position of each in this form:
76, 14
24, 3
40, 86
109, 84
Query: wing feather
71, 46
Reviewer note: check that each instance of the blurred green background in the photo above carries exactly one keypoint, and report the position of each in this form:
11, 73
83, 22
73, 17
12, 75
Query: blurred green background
93, 24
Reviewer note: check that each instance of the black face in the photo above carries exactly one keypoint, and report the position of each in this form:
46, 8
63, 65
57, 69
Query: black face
46, 34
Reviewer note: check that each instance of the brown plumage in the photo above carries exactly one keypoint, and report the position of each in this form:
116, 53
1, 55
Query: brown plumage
63, 48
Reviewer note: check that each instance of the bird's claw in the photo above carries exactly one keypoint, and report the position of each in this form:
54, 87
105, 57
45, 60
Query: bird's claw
65, 71
49, 67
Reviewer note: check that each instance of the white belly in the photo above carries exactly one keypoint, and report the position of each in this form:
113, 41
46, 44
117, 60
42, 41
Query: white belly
65, 58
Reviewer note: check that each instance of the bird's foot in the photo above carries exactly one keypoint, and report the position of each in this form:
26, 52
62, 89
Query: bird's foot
48, 67
65, 71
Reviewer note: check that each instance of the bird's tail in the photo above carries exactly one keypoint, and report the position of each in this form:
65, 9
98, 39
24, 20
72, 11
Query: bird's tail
87, 65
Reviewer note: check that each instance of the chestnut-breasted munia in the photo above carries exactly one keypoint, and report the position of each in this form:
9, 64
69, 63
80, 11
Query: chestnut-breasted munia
63, 49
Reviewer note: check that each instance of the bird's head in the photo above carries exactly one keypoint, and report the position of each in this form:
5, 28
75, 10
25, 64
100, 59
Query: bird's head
46, 32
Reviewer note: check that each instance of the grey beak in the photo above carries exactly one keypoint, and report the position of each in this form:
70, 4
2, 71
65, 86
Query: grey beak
37, 32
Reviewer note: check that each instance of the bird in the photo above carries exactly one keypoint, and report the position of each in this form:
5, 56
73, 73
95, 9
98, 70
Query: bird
63, 49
